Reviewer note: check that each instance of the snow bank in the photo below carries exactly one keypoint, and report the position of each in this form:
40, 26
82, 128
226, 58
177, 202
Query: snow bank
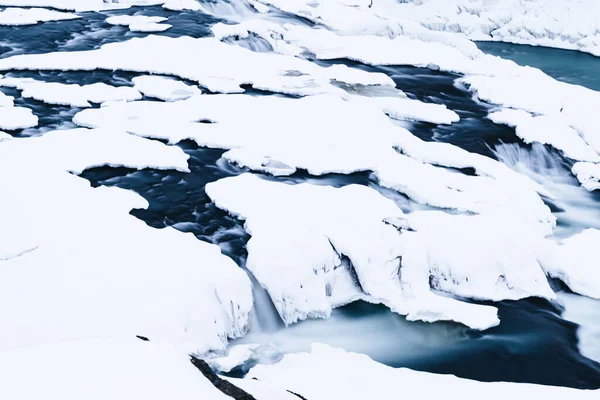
70, 94
223, 68
573, 262
164, 88
328, 373
140, 23
305, 232
31, 16
100, 272
100, 369
325, 134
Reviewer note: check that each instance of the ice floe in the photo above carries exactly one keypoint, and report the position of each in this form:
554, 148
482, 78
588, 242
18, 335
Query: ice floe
100, 369
164, 88
140, 23
70, 94
327, 373
99, 271
31, 16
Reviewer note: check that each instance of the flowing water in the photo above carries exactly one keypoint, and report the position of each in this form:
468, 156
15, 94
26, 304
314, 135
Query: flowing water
532, 344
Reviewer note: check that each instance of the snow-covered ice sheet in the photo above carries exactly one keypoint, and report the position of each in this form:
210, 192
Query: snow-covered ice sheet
213, 64
14, 118
140, 23
330, 254
327, 373
325, 134
100, 369
100, 271
574, 262
31, 16
70, 94
164, 88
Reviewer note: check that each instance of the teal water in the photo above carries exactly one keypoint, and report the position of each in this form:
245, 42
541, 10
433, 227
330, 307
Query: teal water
565, 65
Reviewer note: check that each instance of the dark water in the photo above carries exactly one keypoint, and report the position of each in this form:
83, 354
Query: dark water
564, 65
532, 344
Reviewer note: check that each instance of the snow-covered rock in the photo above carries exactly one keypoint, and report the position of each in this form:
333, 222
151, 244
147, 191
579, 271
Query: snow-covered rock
236, 356
13, 118
327, 373
588, 174
574, 262
31, 16
547, 129
139, 23
100, 369
164, 88
325, 134
70, 94
330, 254
100, 272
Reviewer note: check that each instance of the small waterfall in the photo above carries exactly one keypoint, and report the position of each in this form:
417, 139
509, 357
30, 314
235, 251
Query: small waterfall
578, 208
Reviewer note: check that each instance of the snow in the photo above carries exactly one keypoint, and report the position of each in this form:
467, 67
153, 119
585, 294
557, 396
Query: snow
140, 23
573, 262
31, 16
100, 369
547, 129
223, 68
4, 136
585, 312
96, 148
13, 118
328, 373
301, 232
70, 94
72, 5
588, 174
565, 120
101, 272
81, 5
325, 134
164, 88
570, 24
236, 355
